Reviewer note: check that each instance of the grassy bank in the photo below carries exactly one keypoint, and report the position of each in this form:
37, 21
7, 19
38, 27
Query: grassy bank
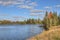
52, 34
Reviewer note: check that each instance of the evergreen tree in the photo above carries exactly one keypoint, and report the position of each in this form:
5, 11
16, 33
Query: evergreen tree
45, 21
55, 19
59, 19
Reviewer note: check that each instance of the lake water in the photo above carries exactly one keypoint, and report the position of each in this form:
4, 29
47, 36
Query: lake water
19, 32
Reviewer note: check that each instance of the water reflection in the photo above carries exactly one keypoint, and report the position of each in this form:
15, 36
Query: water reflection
18, 32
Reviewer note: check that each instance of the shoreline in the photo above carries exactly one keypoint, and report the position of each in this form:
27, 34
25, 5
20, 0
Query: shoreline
45, 34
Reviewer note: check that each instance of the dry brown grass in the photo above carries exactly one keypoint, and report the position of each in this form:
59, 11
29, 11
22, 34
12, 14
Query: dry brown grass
52, 34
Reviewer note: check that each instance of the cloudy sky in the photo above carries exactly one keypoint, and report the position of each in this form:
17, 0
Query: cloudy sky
25, 9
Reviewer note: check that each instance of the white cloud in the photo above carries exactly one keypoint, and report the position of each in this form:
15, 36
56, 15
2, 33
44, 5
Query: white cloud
28, 4
58, 6
48, 7
36, 11
10, 2
25, 7
3, 14
33, 3
33, 14
19, 17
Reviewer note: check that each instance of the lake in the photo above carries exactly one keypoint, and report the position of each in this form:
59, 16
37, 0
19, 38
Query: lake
19, 32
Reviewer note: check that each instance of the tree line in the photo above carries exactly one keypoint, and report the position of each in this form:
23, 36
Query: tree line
28, 21
50, 19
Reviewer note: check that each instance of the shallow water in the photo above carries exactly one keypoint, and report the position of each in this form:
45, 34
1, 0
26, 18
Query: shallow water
19, 32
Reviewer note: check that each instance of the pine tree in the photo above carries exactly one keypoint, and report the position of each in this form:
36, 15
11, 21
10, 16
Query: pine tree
46, 21
50, 17
59, 19
55, 19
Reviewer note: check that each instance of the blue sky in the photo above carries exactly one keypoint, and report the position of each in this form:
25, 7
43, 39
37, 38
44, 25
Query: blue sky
25, 9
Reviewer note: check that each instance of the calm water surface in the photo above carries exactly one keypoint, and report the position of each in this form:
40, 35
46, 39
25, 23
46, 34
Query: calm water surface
19, 32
